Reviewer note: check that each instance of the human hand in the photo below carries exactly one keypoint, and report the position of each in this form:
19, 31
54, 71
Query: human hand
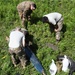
23, 19
56, 30
7, 38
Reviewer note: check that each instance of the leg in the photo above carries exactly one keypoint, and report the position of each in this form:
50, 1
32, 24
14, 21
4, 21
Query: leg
23, 20
59, 28
23, 62
13, 57
29, 18
13, 60
21, 17
20, 14
70, 72
57, 37
60, 24
22, 58
43, 73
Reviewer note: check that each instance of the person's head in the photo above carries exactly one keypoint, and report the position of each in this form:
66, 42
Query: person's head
45, 19
33, 6
24, 31
18, 28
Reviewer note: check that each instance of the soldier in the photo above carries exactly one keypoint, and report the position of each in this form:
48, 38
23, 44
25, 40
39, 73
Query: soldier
25, 9
55, 21
16, 44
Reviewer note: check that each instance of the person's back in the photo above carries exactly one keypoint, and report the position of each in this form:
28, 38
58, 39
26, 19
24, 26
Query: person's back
24, 4
25, 9
15, 39
55, 21
53, 17
16, 44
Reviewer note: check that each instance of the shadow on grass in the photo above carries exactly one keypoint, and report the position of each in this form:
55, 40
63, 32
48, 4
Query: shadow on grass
33, 46
29, 40
34, 20
64, 28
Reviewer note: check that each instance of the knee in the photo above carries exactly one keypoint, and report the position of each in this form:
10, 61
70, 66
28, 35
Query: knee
58, 36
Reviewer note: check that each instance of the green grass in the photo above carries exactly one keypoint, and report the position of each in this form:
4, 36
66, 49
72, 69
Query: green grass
9, 19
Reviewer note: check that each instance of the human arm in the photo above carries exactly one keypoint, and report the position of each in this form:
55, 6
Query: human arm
24, 14
23, 41
59, 28
52, 21
25, 11
27, 14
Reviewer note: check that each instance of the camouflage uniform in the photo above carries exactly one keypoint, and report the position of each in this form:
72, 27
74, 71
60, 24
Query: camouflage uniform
18, 52
60, 25
24, 10
55, 21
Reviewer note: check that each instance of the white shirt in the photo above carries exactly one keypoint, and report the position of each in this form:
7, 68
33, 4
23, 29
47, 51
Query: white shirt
53, 17
16, 38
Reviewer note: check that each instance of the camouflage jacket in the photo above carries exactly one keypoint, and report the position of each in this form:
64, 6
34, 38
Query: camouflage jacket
24, 7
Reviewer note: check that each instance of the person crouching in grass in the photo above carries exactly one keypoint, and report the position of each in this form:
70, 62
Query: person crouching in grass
25, 9
55, 21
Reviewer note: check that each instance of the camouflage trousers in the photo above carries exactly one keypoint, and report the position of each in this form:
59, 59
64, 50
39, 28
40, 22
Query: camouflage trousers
52, 27
60, 23
58, 35
20, 54
24, 18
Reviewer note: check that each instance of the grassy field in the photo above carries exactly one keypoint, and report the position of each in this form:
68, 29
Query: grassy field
40, 34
